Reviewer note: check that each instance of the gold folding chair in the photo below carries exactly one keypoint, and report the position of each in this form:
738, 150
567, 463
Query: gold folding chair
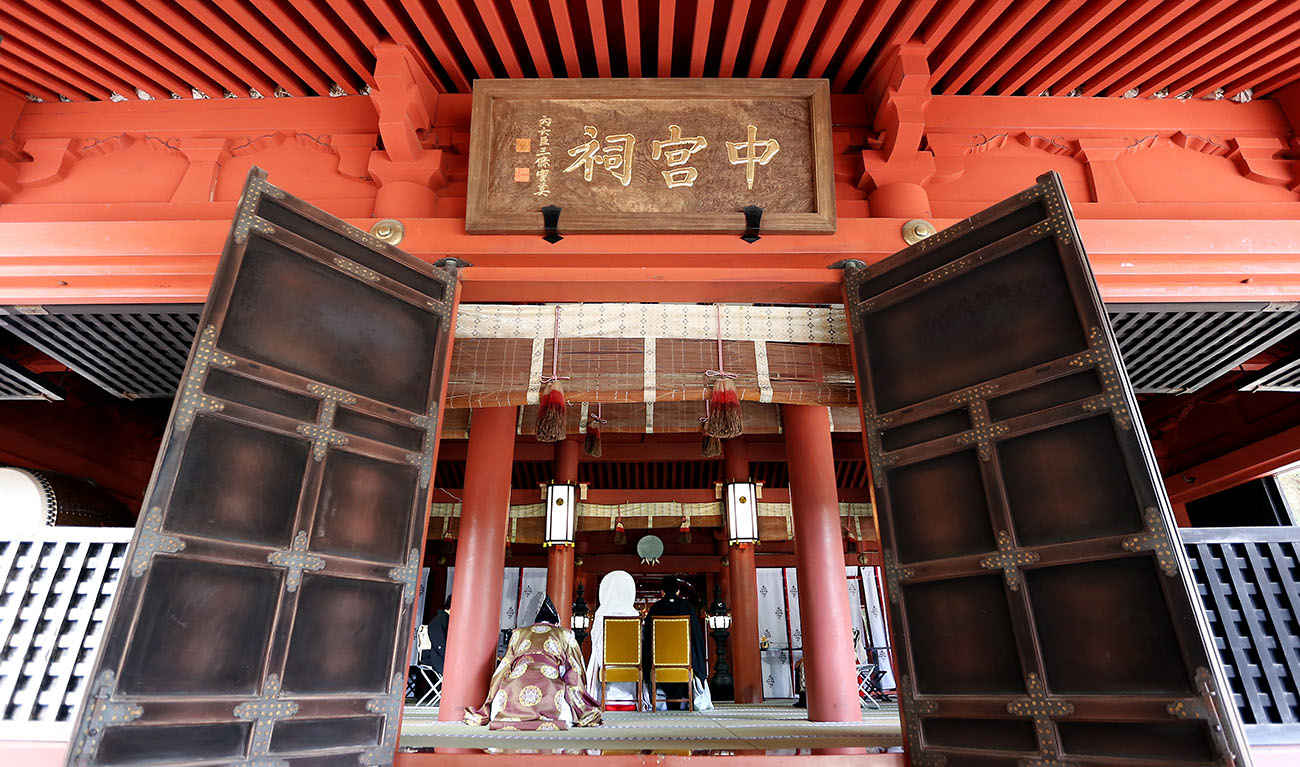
670, 648
622, 662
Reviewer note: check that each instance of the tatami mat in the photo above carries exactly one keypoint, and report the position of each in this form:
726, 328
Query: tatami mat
727, 727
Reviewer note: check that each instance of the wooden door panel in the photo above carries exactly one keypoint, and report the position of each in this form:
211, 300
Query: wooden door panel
1043, 609
267, 604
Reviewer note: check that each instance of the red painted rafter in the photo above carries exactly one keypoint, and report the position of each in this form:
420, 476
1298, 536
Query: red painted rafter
1118, 45
209, 77
563, 24
1133, 70
310, 38
69, 42
526, 18
219, 25
632, 36
19, 38
963, 38
1236, 37
667, 23
1219, 71
1097, 37
1279, 62
27, 86
395, 25
901, 33
797, 45
419, 14
767, 30
829, 42
464, 34
1055, 47
307, 68
143, 39
731, 38
993, 42
1015, 50
599, 36
335, 35
1282, 79
862, 42
154, 80
33, 62
700, 37
355, 21
169, 14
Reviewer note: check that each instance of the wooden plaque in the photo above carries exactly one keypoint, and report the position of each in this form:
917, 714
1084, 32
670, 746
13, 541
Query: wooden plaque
650, 155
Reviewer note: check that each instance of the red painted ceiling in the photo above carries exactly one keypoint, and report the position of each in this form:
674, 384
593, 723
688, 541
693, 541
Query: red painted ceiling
93, 49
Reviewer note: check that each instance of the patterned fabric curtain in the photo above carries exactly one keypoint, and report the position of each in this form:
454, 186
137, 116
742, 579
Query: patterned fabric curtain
774, 626
877, 627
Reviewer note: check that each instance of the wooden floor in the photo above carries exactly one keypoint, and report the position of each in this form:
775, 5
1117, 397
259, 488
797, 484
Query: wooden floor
769, 727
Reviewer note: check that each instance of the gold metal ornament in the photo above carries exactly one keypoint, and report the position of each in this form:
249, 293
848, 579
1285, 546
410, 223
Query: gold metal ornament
915, 230
390, 230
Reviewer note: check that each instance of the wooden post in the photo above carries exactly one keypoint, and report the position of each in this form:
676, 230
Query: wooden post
746, 666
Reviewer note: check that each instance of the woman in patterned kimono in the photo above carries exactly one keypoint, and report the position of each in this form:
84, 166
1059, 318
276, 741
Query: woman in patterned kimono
539, 683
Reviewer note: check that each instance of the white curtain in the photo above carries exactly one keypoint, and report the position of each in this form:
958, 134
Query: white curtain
509, 598
861, 637
532, 590
794, 624
773, 624
878, 628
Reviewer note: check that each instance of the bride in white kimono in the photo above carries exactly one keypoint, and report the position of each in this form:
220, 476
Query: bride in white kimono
617, 599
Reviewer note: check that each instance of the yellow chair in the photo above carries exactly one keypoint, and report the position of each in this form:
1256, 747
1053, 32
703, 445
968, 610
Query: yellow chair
670, 647
622, 662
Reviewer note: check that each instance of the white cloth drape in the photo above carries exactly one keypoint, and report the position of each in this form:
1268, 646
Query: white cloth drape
773, 624
878, 629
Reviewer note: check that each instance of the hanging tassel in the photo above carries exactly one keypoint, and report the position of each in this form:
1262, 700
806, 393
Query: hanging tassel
710, 446
591, 445
551, 413
725, 421
684, 530
620, 532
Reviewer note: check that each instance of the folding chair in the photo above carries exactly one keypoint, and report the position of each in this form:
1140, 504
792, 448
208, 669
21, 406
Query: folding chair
622, 661
433, 679
867, 687
670, 649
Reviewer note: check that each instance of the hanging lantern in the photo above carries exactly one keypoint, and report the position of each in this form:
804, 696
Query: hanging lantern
561, 514
740, 502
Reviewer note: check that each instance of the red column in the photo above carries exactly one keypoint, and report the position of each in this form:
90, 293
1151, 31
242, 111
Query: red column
559, 559
480, 561
828, 659
746, 666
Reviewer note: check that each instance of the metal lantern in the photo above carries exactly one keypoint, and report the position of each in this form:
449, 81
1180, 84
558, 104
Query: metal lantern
581, 620
741, 504
719, 619
561, 514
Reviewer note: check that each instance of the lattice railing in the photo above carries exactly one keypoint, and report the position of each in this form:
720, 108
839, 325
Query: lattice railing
1249, 581
58, 587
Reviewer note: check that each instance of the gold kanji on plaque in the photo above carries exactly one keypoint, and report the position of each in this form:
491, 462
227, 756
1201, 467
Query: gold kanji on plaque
615, 157
677, 151
756, 153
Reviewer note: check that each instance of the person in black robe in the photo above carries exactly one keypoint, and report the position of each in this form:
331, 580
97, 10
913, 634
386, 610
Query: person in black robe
672, 604
436, 655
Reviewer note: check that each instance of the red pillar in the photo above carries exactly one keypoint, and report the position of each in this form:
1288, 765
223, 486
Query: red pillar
559, 559
828, 659
480, 561
746, 666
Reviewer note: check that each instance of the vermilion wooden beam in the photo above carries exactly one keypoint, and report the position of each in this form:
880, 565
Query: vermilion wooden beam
731, 38
1063, 36
296, 80
70, 84
1132, 70
700, 36
465, 36
254, 76
418, 13
829, 41
526, 17
1258, 460
797, 44
564, 30
1214, 73
1016, 49
767, 30
1116, 49
1269, 66
632, 36
863, 40
71, 42
599, 36
993, 43
1119, 16
16, 34
30, 86
667, 14
1238, 36
208, 76
336, 35
964, 35
325, 57
112, 46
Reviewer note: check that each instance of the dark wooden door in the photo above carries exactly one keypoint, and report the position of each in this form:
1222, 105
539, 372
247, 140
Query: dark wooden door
1043, 612
266, 602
